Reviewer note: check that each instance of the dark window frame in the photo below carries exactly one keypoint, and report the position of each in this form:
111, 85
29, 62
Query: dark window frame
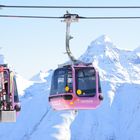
55, 83
16, 97
87, 94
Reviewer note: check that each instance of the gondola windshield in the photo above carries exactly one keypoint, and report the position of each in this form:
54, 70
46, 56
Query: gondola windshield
61, 79
16, 98
0, 82
86, 81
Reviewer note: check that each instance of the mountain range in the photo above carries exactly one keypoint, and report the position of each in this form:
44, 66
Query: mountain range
116, 119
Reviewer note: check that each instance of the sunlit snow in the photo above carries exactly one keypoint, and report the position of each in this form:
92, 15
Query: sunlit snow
116, 119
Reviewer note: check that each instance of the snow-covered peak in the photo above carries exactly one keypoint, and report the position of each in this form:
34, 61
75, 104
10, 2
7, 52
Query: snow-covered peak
101, 46
103, 39
113, 63
40, 77
101, 49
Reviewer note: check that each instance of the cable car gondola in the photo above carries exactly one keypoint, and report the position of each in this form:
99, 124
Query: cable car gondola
9, 100
75, 86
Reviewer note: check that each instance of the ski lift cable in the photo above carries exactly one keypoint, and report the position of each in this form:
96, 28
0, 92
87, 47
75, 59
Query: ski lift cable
78, 17
72, 7
25, 16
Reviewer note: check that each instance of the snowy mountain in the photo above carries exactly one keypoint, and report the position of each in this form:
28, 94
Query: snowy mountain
116, 119
22, 84
114, 64
40, 77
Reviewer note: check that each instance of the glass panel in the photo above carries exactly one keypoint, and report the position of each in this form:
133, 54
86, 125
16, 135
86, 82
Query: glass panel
16, 98
61, 83
86, 81
69, 80
1, 79
61, 78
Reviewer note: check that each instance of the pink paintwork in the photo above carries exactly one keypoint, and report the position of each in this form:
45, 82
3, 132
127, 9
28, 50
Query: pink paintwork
76, 102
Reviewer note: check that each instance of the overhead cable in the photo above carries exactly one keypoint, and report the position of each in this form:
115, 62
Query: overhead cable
79, 17
71, 7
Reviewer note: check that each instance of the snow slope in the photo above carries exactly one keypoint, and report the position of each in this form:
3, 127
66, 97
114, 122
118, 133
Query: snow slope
40, 77
116, 119
22, 84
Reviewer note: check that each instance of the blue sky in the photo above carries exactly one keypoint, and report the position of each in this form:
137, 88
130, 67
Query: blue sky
31, 45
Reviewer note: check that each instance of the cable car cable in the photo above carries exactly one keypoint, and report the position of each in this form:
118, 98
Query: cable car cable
72, 7
79, 17
24, 16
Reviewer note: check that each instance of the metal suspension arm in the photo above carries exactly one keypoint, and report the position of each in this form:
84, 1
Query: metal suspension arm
69, 18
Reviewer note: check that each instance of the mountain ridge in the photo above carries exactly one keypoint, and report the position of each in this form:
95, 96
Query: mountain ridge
116, 118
